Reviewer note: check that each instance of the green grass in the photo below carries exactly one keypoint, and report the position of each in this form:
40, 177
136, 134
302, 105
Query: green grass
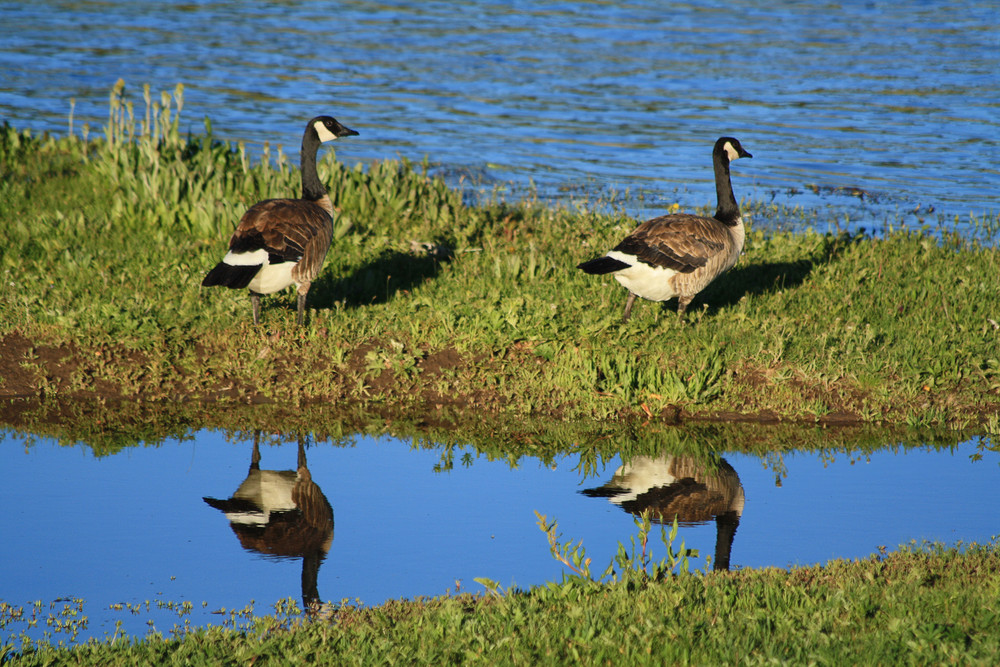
921, 605
429, 300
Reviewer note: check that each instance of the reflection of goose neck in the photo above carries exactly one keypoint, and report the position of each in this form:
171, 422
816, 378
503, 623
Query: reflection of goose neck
310, 579
725, 531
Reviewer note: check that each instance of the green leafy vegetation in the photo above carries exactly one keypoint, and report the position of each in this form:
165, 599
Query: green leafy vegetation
429, 299
924, 604
637, 566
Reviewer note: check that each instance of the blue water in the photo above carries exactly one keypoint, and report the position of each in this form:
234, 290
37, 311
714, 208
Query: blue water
133, 527
896, 102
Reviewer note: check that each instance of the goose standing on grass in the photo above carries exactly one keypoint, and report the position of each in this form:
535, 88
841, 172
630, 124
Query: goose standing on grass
679, 255
280, 242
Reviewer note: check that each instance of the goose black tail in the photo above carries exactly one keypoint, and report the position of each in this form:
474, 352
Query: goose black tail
603, 492
231, 505
227, 275
603, 265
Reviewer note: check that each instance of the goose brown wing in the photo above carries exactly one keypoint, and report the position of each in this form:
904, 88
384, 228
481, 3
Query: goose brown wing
680, 242
291, 230
686, 499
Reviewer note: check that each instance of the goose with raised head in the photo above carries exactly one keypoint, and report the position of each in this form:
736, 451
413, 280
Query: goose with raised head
281, 242
678, 255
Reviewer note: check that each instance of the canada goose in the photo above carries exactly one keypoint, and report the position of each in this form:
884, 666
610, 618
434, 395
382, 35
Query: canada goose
680, 254
282, 513
681, 487
284, 241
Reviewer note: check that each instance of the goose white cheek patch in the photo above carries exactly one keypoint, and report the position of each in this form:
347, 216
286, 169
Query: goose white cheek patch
731, 152
323, 133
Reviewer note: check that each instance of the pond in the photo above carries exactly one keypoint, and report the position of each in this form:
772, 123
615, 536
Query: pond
158, 537
867, 113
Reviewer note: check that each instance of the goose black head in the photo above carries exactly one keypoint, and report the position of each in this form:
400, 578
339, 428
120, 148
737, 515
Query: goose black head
328, 129
730, 148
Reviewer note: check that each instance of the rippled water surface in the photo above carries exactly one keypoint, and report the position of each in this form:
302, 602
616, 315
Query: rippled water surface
377, 519
896, 102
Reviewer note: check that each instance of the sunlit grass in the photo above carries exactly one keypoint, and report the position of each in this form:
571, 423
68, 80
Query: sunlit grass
427, 299
924, 604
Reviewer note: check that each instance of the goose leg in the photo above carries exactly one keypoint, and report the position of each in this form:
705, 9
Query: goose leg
300, 314
255, 457
682, 304
302, 453
628, 307
255, 306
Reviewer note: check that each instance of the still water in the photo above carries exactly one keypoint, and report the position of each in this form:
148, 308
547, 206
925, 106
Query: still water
869, 113
375, 518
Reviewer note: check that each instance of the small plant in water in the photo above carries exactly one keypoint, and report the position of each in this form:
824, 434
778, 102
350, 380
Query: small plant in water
636, 566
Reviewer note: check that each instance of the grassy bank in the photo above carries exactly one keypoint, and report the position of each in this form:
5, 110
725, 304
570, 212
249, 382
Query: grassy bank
917, 606
110, 428
427, 300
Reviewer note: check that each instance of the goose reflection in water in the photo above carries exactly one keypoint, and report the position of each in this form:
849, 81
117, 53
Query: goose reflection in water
682, 487
282, 513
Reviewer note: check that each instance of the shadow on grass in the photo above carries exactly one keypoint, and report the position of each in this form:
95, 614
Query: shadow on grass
765, 278
753, 280
378, 281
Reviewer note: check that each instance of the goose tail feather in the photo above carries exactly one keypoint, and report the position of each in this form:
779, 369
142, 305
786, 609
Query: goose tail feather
602, 265
227, 275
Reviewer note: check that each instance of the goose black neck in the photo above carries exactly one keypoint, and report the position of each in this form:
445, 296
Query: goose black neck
311, 560
725, 531
312, 187
728, 210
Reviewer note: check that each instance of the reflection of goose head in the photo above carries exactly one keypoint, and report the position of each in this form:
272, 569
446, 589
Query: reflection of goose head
681, 487
283, 514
